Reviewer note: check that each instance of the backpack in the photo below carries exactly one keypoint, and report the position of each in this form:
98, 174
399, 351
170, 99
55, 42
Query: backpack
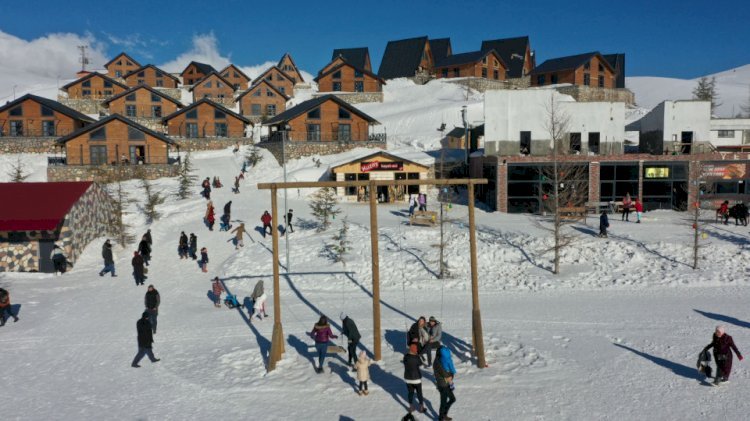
3, 295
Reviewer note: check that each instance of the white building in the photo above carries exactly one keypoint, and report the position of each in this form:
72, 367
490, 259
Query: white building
730, 133
676, 127
516, 123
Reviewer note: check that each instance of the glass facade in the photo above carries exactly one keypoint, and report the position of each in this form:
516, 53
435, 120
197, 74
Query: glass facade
665, 185
530, 189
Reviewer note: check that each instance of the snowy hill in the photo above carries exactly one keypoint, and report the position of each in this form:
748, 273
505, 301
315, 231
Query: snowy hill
733, 88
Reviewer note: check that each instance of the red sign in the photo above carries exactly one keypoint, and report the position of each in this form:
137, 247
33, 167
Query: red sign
381, 166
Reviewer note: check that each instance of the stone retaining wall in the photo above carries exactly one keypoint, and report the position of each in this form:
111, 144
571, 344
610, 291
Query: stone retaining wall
354, 97
18, 257
110, 173
175, 93
295, 150
595, 94
90, 218
27, 144
85, 106
210, 143
482, 85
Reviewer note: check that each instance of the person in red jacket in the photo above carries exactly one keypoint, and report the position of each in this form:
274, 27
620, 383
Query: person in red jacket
638, 211
217, 289
723, 346
266, 220
724, 211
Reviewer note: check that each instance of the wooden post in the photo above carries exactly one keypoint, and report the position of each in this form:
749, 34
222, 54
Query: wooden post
476, 318
277, 339
375, 271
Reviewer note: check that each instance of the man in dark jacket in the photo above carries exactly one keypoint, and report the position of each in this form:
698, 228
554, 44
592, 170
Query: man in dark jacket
349, 329
417, 333
182, 247
144, 249
723, 346
152, 302
289, 217
603, 224
193, 246
228, 210
109, 261
444, 380
413, 378
145, 341
138, 269
147, 237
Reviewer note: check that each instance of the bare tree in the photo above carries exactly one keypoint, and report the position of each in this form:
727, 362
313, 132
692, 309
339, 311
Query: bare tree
697, 221
17, 171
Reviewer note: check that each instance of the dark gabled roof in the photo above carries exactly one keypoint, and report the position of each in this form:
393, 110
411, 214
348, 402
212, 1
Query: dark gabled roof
357, 57
343, 63
118, 56
263, 81
106, 120
150, 89
388, 154
202, 67
301, 79
209, 102
441, 48
614, 60
38, 206
198, 82
262, 75
511, 50
60, 108
466, 58
94, 74
142, 68
568, 63
401, 58
237, 69
313, 103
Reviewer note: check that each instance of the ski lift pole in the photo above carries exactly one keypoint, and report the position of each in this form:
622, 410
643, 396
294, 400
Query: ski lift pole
277, 338
476, 318
375, 273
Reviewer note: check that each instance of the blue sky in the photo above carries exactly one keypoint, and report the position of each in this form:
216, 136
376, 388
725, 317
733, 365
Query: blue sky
670, 38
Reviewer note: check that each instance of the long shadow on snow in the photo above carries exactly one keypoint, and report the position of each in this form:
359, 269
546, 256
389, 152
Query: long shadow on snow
585, 230
506, 239
643, 245
409, 251
263, 343
731, 237
302, 348
678, 369
723, 318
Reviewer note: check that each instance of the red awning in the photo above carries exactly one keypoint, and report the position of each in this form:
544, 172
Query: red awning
37, 206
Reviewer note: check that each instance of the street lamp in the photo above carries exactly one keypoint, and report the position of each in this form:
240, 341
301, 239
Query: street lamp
466, 135
287, 128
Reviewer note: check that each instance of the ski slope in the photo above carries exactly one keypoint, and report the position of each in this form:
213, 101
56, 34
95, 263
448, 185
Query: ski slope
615, 336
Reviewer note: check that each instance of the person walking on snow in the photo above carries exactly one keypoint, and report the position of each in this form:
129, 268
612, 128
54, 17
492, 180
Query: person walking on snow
139, 272
152, 300
58, 260
412, 204
322, 334
236, 189
216, 289
435, 330
204, 260
144, 249
349, 329
207, 189
210, 216
724, 211
145, 341
638, 210
228, 211
266, 219
422, 202
288, 221
182, 246
259, 301
444, 372
363, 372
109, 261
626, 204
193, 245
722, 345
413, 378
6, 307
240, 230
603, 224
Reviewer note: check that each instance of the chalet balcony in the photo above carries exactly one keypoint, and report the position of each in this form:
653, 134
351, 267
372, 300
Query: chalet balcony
326, 137
29, 130
62, 160
191, 131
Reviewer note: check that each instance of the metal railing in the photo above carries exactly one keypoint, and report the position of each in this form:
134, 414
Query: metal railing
325, 137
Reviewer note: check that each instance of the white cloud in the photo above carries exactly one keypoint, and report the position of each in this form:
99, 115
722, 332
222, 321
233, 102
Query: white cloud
205, 49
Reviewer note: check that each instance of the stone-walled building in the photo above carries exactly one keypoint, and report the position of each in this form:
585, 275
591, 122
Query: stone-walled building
32, 116
93, 86
42, 215
144, 105
215, 88
262, 101
205, 119
152, 76
279, 79
121, 65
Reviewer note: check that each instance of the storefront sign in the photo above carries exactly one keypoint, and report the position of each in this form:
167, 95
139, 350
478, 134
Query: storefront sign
381, 166
656, 172
724, 171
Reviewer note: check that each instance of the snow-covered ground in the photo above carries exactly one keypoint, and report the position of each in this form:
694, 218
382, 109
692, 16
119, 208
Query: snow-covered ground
615, 336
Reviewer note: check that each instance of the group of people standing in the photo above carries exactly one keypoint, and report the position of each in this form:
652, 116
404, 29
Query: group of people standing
418, 201
628, 204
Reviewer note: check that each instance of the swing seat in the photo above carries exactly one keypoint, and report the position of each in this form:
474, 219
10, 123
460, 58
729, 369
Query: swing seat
423, 218
335, 349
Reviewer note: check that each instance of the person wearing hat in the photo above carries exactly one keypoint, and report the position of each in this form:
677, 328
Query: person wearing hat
413, 378
138, 270
349, 329
722, 345
436, 335
145, 341
109, 261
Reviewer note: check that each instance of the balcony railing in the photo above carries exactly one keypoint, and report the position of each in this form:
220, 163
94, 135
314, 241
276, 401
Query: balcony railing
325, 137
58, 160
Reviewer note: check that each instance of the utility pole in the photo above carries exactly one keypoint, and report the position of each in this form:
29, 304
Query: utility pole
441, 197
84, 59
286, 209
464, 117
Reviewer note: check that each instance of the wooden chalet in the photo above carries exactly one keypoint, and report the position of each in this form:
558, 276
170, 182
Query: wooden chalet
94, 86
262, 100
115, 140
34, 116
515, 52
287, 65
143, 102
121, 65
235, 76
483, 64
379, 165
151, 75
213, 87
323, 119
195, 71
441, 48
589, 69
279, 79
358, 57
342, 76
406, 58
205, 118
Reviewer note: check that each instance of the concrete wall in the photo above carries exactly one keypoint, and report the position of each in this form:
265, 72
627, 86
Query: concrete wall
595, 94
740, 126
666, 122
295, 150
110, 173
355, 97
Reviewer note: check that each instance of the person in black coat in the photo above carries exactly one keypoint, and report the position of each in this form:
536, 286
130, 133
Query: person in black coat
147, 237
193, 246
144, 248
228, 210
289, 217
109, 261
138, 269
723, 345
413, 378
182, 247
603, 224
152, 302
349, 329
145, 341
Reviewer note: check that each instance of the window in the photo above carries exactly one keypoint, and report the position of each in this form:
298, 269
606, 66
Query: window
86, 83
107, 84
159, 74
496, 64
48, 128
141, 74
445, 72
575, 142
314, 113
16, 112
192, 114
98, 154
587, 79
269, 93
47, 111
540, 80
135, 134
130, 111
359, 86
127, 62
269, 78
107, 92
99, 134
313, 132
456, 72
484, 60
130, 97
495, 74
281, 89
345, 132
484, 72
336, 86
358, 73
219, 115
86, 93
155, 98
594, 142
726, 133
207, 84
219, 84
118, 73
601, 81
337, 75
220, 129
279, 77
271, 110
16, 128
257, 92
156, 111
587, 65
350, 190
525, 144
601, 67
553, 78
159, 83
344, 114
226, 74
141, 82
255, 109
236, 86
191, 129
220, 96
236, 75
